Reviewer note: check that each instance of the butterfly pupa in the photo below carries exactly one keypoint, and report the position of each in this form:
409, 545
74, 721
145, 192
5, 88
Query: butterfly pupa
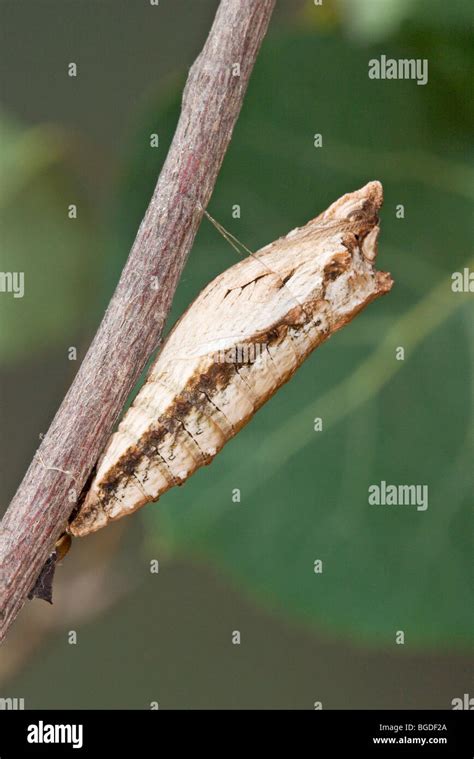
241, 339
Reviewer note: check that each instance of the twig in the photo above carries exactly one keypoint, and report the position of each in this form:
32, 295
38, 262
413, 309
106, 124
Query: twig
133, 323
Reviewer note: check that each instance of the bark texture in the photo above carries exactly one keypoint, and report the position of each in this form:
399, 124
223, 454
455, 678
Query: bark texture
132, 326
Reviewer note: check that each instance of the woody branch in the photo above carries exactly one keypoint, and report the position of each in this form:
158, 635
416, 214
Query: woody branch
131, 328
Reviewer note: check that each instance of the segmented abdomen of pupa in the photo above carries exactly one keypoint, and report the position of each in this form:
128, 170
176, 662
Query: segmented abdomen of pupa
240, 340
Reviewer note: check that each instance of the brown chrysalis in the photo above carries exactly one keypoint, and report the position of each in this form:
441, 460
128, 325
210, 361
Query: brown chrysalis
241, 339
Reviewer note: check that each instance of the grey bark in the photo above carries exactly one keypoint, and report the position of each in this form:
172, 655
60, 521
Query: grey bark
131, 328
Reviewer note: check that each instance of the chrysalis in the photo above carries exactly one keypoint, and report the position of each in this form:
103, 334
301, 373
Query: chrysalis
241, 339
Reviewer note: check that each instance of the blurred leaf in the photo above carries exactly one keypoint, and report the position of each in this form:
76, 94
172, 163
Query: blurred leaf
24, 153
304, 494
373, 20
54, 254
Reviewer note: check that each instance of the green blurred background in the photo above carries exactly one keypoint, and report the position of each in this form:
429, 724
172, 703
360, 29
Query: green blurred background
248, 566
